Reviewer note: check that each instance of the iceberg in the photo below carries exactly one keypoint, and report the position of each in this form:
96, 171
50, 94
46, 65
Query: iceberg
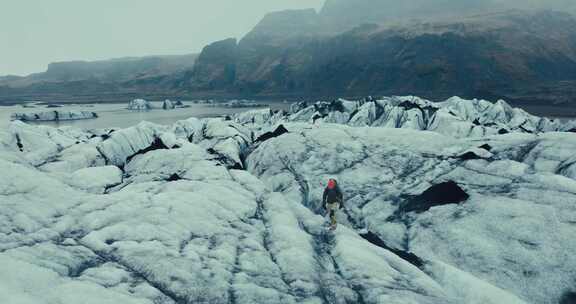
168, 104
53, 116
139, 105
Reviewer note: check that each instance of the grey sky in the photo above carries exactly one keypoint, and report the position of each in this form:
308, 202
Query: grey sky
34, 33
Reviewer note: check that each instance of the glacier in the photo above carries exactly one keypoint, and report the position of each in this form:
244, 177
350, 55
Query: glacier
462, 201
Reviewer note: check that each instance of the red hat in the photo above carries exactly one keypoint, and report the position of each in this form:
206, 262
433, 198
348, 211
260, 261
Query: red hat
331, 184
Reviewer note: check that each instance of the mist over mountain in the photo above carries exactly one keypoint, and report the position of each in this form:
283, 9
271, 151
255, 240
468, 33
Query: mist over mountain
518, 55
113, 70
524, 51
121, 68
378, 10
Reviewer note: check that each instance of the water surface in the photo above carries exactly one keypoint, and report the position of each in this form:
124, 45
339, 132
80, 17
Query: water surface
117, 116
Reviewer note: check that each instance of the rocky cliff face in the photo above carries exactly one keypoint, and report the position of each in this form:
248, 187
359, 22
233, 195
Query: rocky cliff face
517, 55
216, 66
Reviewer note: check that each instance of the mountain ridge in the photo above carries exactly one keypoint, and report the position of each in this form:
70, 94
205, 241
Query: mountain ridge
491, 56
525, 56
108, 70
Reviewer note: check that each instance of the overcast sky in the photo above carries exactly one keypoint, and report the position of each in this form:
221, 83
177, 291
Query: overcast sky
34, 33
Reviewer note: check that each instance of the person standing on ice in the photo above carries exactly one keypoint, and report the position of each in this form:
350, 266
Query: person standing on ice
332, 201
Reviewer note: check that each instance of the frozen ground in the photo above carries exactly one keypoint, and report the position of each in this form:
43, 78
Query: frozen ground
462, 202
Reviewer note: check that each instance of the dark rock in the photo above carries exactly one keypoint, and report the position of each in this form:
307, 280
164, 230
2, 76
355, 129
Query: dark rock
437, 195
78, 270
409, 105
568, 298
407, 256
503, 131
19, 143
526, 130
486, 147
354, 113
469, 156
269, 135
237, 166
324, 108
316, 117
428, 112
225, 160
157, 144
216, 65
572, 130
174, 177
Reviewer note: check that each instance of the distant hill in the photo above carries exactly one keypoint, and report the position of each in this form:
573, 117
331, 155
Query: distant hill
121, 69
435, 49
67, 79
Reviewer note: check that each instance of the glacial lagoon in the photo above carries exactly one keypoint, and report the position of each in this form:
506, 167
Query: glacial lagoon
116, 115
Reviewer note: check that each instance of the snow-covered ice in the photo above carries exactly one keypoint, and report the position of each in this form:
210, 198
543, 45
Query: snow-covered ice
96, 179
229, 211
139, 105
456, 117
